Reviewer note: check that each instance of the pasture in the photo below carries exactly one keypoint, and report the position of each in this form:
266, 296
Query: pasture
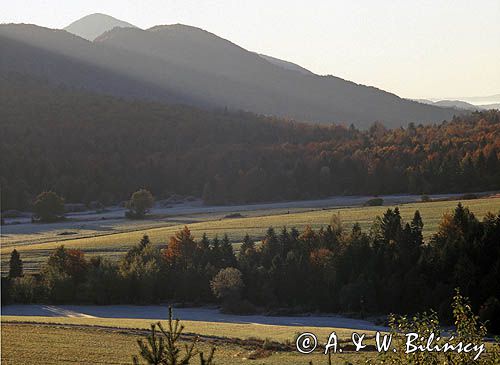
62, 344
119, 239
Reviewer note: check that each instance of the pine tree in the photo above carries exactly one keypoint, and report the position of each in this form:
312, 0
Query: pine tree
416, 228
161, 346
227, 257
144, 241
15, 265
248, 244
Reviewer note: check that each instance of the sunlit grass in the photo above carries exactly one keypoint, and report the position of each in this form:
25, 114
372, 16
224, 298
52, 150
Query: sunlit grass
114, 245
40, 344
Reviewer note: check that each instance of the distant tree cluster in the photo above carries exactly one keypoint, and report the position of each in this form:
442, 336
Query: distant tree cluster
97, 148
388, 269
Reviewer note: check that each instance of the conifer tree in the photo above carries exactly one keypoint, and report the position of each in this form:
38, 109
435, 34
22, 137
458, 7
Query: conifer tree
15, 265
161, 346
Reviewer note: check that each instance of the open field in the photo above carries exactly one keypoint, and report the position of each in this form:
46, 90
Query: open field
200, 318
116, 243
203, 328
88, 224
40, 344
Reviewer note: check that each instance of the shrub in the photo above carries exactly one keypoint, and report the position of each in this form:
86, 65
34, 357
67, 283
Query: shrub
375, 202
49, 207
24, 289
227, 284
140, 203
469, 196
425, 198
468, 330
490, 314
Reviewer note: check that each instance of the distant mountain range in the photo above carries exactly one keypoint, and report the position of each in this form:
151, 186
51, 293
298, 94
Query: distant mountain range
183, 64
459, 104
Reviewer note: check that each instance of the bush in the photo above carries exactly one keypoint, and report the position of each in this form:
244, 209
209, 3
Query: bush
140, 203
425, 198
468, 330
490, 314
49, 207
375, 202
24, 289
469, 196
227, 284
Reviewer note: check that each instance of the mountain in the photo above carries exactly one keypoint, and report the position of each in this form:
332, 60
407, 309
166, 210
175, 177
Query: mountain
240, 79
59, 57
285, 64
491, 106
489, 99
93, 25
183, 64
456, 104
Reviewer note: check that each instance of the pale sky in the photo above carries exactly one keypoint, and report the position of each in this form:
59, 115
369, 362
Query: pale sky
415, 49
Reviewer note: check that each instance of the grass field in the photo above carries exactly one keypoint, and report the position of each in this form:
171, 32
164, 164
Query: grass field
220, 329
115, 244
52, 344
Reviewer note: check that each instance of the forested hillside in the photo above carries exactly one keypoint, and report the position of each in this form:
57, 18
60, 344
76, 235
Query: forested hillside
179, 63
91, 147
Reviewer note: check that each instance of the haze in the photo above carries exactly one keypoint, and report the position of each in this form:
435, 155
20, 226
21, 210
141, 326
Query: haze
429, 49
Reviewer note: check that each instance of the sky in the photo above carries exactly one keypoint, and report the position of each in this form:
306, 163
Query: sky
416, 49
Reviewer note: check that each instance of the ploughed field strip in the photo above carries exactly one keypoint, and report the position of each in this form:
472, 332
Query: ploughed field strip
116, 244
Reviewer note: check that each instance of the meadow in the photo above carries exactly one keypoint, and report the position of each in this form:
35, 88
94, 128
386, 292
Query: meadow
115, 243
40, 344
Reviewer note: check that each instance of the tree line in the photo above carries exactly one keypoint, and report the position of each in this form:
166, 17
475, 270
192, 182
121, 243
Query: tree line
89, 148
386, 269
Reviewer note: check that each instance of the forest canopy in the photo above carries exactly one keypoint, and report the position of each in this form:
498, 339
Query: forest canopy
88, 147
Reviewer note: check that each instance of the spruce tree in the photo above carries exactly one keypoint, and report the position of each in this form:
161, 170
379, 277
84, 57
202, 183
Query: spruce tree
15, 265
161, 346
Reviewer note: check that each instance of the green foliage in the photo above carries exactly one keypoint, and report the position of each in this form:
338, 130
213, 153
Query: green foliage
49, 207
140, 203
64, 271
388, 269
161, 346
468, 329
24, 289
140, 271
227, 284
15, 265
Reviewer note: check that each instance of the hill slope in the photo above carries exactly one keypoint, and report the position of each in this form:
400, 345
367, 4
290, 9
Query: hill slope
196, 67
92, 147
243, 80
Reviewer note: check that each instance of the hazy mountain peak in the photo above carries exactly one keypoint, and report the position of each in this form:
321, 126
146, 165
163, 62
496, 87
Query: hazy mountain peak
93, 25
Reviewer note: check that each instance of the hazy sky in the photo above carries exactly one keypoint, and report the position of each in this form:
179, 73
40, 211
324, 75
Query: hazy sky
413, 48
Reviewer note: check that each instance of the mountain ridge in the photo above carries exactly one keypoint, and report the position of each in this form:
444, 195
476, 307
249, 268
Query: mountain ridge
199, 68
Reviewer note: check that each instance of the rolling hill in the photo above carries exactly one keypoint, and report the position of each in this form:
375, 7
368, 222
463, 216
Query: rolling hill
183, 64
